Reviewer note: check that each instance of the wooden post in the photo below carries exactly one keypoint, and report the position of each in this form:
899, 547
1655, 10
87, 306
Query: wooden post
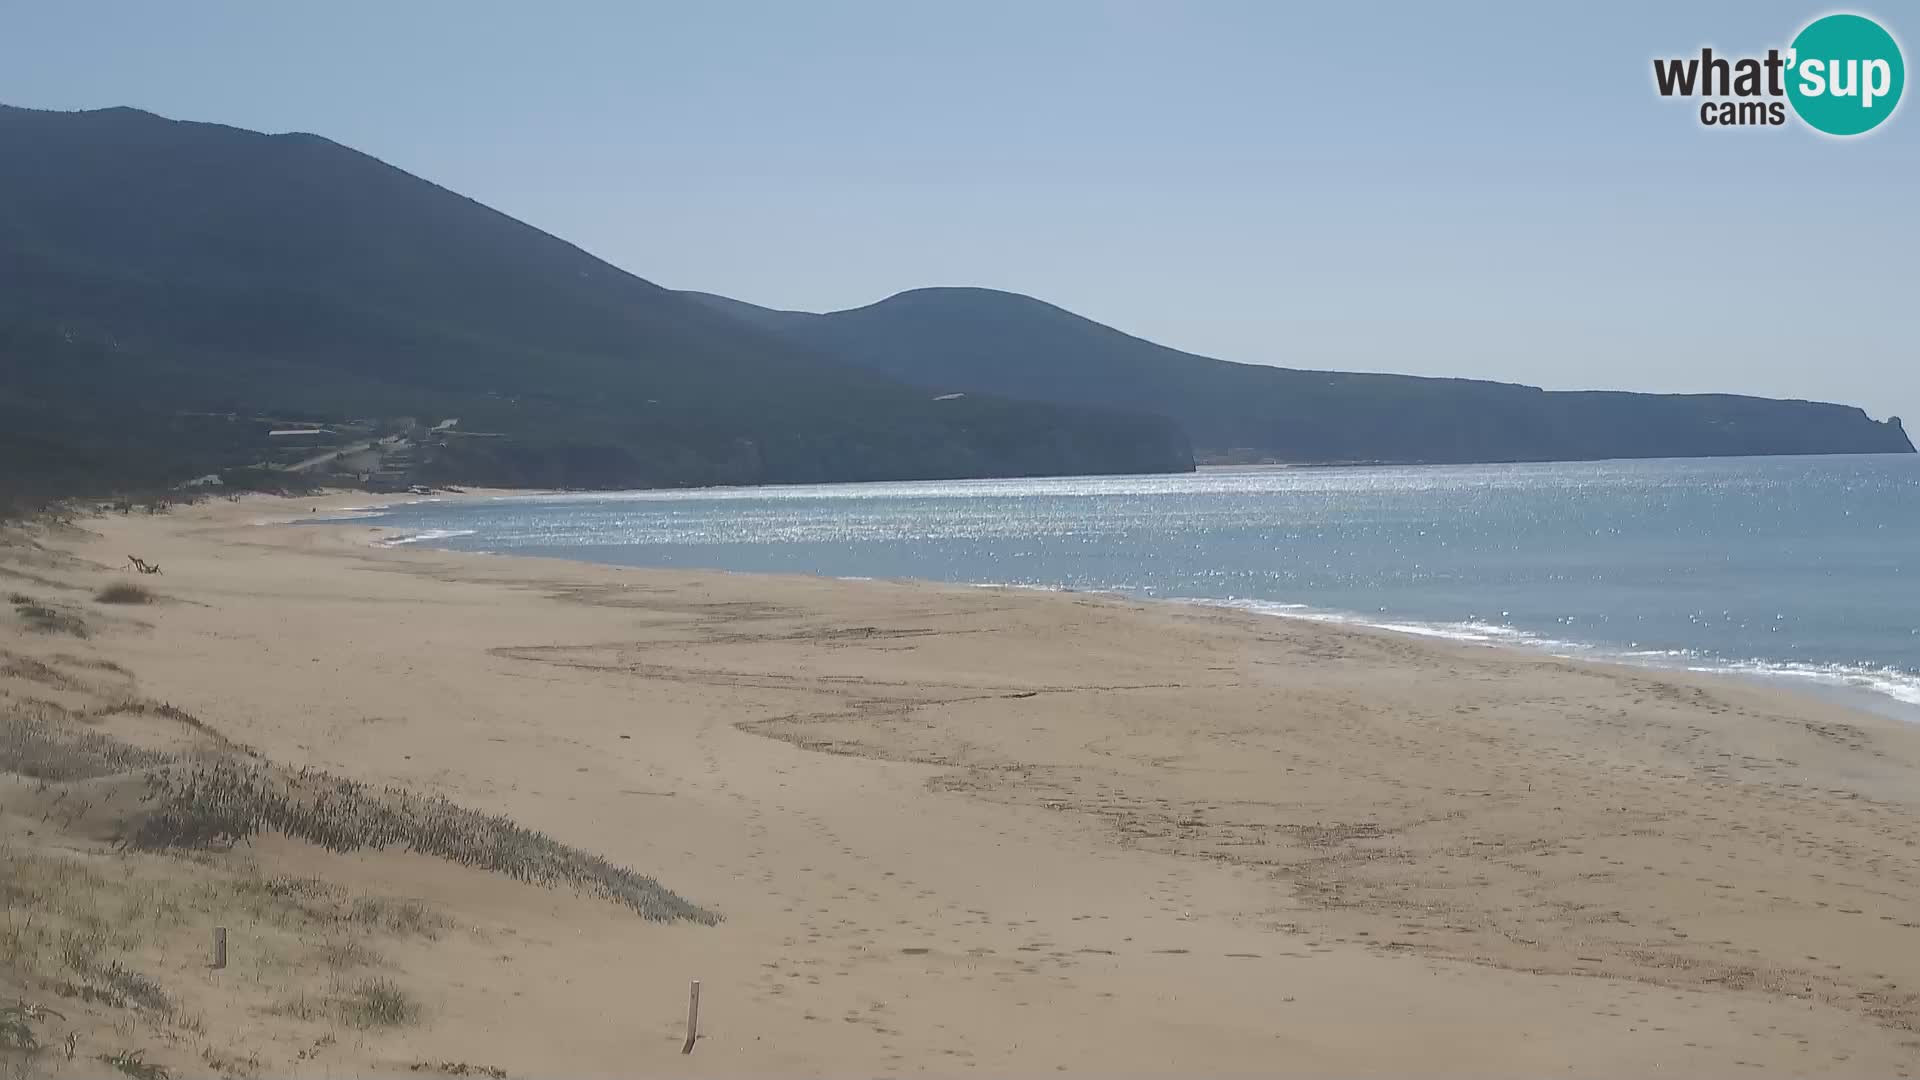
219, 947
693, 1018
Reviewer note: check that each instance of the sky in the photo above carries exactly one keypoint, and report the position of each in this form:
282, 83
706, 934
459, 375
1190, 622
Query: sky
1491, 190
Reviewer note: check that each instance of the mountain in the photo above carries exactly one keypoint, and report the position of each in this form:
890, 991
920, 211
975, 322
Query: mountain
169, 291
172, 292
983, 341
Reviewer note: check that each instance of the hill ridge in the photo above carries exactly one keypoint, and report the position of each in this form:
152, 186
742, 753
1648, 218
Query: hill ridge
975, 339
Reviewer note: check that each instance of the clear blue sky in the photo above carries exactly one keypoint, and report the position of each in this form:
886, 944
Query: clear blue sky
1464, 189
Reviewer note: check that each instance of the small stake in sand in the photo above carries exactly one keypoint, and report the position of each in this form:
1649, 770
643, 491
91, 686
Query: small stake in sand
693, 1018
219, 947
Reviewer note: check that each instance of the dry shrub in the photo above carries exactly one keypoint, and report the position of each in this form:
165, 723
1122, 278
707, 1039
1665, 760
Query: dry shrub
134, 1064
18, 666
133, 987
80, 947
74, 924
125, 592
378, 1003
118, 987
298, 1007
341, 954
16, 1026
398, 916
47, 620
459, 1068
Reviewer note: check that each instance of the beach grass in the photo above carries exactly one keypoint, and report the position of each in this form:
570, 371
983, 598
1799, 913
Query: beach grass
37, 746
218, 802
215, 797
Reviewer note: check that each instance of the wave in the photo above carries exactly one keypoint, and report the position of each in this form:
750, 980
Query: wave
1484, 633
426, 536
1901, 686
1885, 682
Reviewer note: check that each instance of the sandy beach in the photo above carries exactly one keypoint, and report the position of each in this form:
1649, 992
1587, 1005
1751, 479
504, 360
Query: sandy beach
964, 830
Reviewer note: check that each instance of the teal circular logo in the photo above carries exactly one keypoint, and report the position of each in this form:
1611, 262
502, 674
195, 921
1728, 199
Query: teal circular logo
1845, 74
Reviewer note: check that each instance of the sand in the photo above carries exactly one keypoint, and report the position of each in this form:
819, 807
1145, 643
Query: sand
975, 830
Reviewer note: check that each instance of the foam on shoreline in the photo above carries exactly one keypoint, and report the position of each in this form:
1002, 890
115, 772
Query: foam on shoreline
1856, 681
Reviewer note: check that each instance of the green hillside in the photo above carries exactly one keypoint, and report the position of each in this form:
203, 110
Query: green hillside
169, 289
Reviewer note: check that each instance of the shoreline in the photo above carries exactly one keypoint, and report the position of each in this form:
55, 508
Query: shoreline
1839, 685
1021, 830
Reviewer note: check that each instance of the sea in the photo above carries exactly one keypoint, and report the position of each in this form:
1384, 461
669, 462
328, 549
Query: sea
1799, 570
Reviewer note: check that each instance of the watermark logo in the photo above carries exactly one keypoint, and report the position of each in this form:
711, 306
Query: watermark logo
1842, 75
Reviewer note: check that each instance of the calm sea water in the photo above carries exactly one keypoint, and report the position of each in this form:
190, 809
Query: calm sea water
1801, 569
